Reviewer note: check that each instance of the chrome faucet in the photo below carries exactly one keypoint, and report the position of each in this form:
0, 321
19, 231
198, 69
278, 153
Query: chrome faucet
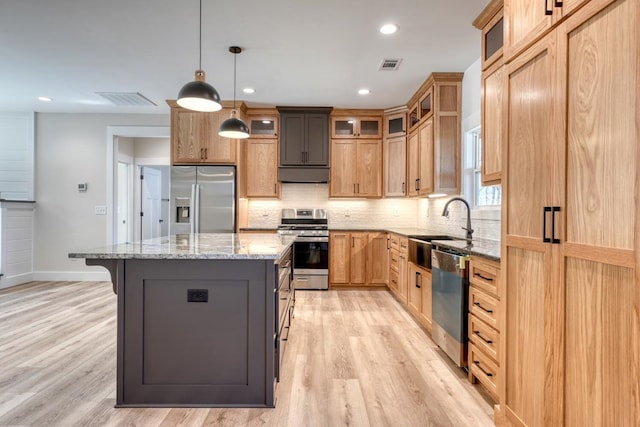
445, 212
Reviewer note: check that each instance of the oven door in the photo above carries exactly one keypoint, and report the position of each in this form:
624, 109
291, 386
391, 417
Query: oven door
311, 263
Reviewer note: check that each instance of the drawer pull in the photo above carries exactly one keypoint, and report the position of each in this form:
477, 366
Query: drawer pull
477, 333
477, 304
477, 363
488, 279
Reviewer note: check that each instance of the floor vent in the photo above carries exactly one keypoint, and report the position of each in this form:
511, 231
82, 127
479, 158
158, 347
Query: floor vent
126, 99
389, 64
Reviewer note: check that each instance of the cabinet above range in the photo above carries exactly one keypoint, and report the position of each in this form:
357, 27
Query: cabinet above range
304, 144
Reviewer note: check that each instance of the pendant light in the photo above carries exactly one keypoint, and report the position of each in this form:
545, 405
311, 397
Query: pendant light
234, 127
198, 95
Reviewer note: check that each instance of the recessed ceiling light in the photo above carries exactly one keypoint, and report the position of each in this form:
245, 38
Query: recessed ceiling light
388, 28
364, 92
45, 98
249, 90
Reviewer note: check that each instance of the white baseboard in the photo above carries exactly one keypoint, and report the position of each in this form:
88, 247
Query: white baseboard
18, 279
72, 276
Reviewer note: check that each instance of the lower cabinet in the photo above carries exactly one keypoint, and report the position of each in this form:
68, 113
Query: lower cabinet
484, 325
419, 298
358, 259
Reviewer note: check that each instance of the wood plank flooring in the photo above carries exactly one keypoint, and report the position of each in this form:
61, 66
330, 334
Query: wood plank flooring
354, 358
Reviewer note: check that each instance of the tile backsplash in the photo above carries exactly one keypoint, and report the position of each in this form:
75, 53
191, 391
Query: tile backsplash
374, 213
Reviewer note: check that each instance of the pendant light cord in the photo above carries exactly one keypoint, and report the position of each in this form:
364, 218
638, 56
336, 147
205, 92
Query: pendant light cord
235, 56
200, 40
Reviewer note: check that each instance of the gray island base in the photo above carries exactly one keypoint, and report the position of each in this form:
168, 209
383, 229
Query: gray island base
202, 318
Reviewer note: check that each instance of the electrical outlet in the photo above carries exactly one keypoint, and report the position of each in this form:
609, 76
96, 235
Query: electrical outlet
346, 212
197, 295
100, 210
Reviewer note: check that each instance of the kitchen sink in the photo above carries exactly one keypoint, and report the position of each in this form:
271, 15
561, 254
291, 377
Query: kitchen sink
420, 249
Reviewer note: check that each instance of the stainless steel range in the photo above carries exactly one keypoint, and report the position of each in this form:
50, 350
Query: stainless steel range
311, 247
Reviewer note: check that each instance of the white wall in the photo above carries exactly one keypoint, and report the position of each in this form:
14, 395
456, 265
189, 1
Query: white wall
72, 148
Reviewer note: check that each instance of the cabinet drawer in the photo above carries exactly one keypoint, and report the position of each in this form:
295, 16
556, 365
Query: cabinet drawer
484, 337
404, 246
484, 306
394, 241
394, 281
485, 274
394, 261
483, 369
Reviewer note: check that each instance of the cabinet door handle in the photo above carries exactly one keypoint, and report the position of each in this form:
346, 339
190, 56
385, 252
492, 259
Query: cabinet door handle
353, 242
554, 209
418, 280
403, 188
302, 157
358, 188
558, 3
275, 188
388, 242
547, 10
477, 304
477, 333
477, 363
416, 184
206, 153
488, 279
545, 239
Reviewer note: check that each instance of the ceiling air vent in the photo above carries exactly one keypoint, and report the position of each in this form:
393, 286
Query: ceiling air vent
126, 99
390, 64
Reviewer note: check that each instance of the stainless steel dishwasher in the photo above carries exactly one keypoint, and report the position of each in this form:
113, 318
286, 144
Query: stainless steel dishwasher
449, 300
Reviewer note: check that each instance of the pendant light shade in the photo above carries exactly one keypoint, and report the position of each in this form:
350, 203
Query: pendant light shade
234, 127
199, 95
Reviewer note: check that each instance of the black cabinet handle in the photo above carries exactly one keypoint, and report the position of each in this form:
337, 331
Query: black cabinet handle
403, 191
388, 243
545, 239
419, 183
477, 363
554, 209
418, 280
558, 3
488, 279
477, 333
547, 11
302, 157
477, 304
353, 242
416, 185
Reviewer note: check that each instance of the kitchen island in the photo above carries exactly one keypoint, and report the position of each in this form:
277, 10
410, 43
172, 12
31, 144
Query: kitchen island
202, 318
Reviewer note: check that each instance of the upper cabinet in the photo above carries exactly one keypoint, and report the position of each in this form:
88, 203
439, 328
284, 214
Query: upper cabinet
355, 126
493, 86
195, 139
528, 20
263, 125
395, 122
304, 136
434, 150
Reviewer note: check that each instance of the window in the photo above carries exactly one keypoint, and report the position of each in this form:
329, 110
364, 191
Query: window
478, 195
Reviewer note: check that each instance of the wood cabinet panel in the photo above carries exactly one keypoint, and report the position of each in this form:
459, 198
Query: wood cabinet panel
425, 298
527, 273
262, 168
369, 168
358, 258
425, 158
524, 21
339, 257
486, 338
343, 170
377, 259
414, 297
395, 124
484, 369
446, 156
483, 306
395, 167
493, 83
413, 164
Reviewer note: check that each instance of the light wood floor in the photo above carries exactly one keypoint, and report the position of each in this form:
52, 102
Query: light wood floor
354, 358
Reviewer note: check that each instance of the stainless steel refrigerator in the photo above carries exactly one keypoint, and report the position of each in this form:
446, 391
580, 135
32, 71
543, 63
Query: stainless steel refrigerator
203, 199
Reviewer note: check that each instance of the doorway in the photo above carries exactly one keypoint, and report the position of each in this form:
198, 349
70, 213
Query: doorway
154, 201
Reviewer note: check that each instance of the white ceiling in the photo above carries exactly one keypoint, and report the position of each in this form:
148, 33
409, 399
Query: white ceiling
296, 52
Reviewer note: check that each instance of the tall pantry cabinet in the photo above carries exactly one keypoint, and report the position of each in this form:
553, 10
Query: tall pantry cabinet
571, 221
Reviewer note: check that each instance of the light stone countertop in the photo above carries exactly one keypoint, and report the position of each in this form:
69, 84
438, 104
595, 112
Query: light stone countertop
258, 246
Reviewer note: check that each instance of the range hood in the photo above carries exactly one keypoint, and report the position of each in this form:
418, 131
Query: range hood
303, 174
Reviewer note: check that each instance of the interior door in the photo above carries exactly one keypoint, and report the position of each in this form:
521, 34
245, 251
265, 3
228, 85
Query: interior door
151, 209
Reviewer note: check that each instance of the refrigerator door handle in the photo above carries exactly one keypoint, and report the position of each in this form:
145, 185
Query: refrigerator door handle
194, 208
197, 208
